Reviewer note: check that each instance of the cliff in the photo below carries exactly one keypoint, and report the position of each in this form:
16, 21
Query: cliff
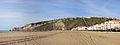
62, 24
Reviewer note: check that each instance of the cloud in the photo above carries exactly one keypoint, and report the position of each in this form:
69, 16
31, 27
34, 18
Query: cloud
100, 10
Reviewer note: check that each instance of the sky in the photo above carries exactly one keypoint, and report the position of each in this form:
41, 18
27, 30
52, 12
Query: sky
15, 13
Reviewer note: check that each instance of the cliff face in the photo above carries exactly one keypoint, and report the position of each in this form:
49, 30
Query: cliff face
62, 24
47, 26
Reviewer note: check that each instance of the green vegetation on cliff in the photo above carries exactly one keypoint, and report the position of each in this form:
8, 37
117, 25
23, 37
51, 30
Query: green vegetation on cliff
79, 21
68, 23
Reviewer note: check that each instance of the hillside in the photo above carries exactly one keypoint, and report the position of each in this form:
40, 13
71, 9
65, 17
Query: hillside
62, 24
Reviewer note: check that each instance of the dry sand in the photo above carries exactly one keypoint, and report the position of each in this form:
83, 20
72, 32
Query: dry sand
64, 38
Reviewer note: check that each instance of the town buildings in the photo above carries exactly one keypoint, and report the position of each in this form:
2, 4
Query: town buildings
113, 24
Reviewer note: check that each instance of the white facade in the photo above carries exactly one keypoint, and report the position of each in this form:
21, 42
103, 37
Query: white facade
113, 24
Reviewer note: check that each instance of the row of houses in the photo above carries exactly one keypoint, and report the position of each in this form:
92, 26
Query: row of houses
113, 24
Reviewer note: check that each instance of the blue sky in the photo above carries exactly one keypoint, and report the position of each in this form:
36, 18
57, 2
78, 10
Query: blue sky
20, 12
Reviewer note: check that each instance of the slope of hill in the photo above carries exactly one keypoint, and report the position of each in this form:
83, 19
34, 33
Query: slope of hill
62, 24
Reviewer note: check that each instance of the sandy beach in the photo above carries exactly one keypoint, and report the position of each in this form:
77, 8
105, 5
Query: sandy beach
60, 38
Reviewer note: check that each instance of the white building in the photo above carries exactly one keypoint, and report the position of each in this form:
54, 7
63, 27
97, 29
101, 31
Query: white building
113, 24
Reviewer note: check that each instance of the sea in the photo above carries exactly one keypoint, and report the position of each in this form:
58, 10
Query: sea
4, 31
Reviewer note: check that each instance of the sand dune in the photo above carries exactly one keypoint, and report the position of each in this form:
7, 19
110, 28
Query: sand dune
60, 38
